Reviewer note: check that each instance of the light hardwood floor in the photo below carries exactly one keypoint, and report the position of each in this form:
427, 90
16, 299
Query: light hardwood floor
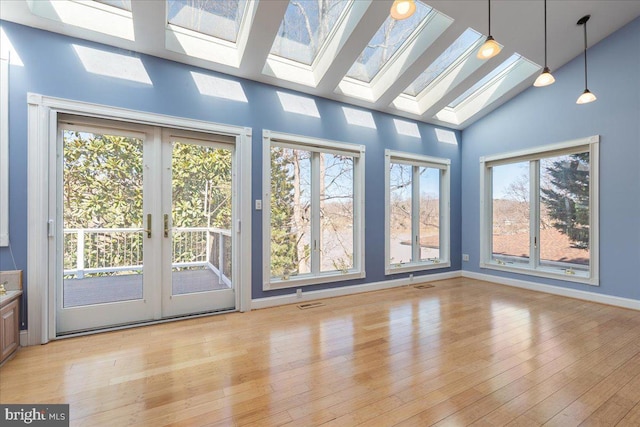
464, 352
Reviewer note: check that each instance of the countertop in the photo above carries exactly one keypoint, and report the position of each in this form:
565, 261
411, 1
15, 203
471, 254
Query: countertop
8, 297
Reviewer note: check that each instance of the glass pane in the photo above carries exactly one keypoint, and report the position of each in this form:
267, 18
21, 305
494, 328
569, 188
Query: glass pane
336, 212
120, 4
429, 213
444, 61
102, 218
201, 218
386, 41
486, 79
305, 27
217, 18
290, 212
511, 208
564, 211
400, 191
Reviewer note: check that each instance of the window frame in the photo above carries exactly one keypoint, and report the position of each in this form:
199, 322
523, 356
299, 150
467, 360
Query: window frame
315, 145
533, 156
416, 160
4, 152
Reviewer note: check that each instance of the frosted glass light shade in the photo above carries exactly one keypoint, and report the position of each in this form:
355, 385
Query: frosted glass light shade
544, 79
402, 9
489, 49
586, 97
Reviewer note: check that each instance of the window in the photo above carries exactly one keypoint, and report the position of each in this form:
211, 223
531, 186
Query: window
313, 219
539, 211
416, 212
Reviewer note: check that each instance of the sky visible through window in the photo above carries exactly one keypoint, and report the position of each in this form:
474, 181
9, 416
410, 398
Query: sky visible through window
444, 61
385, 43
486, 79
216, 18
306, 26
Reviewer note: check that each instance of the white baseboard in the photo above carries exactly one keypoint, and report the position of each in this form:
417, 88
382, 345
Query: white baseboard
24, 338
556, 290
348, 290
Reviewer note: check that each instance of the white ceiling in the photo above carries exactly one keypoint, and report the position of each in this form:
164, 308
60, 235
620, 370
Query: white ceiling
517, 24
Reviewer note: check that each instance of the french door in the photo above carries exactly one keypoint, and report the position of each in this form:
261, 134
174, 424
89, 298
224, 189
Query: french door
146, 217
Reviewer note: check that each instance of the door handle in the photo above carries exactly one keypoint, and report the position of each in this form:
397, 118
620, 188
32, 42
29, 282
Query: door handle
166, 225
148, 229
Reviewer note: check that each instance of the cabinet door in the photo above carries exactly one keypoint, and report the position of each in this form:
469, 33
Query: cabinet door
9, 327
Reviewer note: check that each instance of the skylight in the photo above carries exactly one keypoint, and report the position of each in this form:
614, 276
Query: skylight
386, 41
99, 16
444, 61
486, 79
306, 26
217, 18
120, 4
493, 89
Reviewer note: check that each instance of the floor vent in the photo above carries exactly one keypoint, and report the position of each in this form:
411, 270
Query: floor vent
424, 286
310, 305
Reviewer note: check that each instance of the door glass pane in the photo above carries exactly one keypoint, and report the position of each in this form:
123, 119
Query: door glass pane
102, 218
201, 218
564, 211
511, 213
429, 213
400, 190
290, 212
336, 212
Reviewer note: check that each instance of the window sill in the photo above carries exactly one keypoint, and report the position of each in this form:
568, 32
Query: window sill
549, 273
307, 280
409, 267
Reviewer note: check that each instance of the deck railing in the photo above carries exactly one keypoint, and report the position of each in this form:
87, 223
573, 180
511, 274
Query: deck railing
111, 250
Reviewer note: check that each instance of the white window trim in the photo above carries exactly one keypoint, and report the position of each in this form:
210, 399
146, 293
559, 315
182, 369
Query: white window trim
316, 145
4, 152
42, 136
589, 144
445, 215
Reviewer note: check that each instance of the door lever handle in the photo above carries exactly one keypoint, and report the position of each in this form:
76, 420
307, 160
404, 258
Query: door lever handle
166, 225
148, 229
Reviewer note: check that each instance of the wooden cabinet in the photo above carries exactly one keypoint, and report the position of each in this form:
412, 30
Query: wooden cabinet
9, 328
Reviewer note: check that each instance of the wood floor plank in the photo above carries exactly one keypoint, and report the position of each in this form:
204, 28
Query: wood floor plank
463, 352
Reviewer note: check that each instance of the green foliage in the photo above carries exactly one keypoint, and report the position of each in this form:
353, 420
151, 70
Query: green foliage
284, 256
567, 198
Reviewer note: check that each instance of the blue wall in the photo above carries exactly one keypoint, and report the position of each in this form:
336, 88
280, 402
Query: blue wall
52, 68
541, 116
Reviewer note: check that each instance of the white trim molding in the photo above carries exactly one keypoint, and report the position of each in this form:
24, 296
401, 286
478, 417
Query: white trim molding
4, 152
43, 114
293, 298
556, 290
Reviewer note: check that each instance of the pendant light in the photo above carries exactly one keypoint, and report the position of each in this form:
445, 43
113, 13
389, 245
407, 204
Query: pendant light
586, 96
490, 47
545, 79
402, 9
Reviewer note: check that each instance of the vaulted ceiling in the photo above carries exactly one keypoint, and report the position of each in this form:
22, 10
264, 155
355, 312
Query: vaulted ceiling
423, 68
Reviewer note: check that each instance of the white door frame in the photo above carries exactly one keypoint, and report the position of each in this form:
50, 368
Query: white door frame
41, 202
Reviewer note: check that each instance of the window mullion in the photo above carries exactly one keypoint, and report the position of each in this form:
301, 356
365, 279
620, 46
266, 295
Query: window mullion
315, 213
415, 214
534, 213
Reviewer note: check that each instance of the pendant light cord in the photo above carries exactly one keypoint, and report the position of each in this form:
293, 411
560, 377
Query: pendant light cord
545, 33
585, 55
489, 17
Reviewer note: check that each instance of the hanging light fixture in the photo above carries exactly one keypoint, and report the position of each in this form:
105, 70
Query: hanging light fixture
402, 9
545, 79
586, 96
490, 47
